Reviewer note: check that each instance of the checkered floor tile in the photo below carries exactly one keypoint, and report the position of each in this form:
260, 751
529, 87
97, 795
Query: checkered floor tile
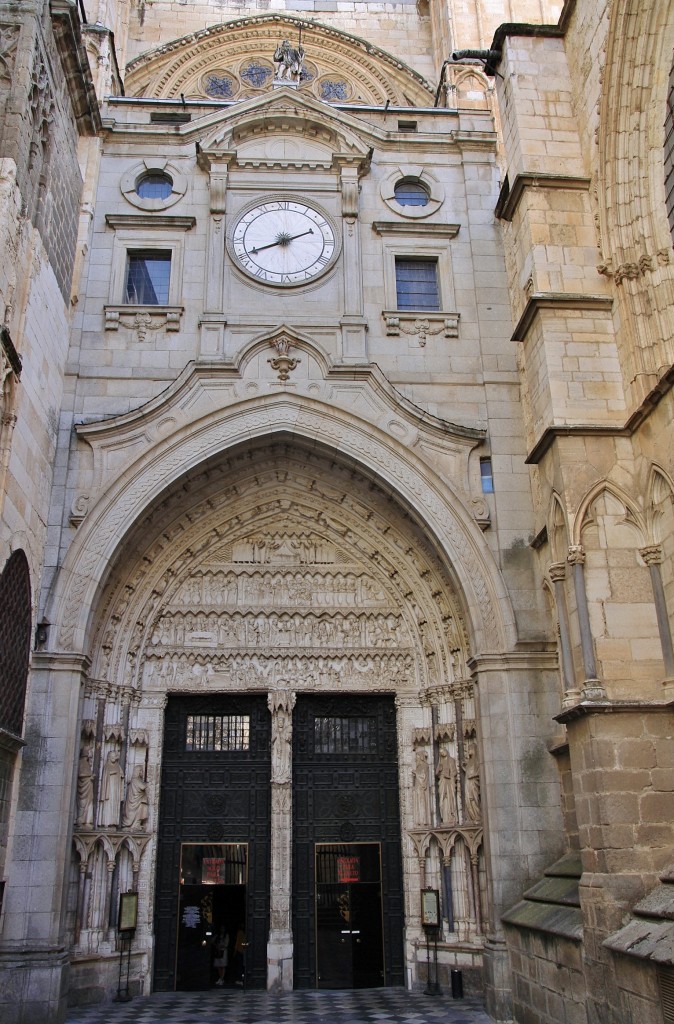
229, 1006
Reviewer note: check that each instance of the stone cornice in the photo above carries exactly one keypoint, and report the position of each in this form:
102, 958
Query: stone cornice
639, 416
550, 435
609, 707
153, 221
80, 85
572, 301
407, 227
13, 357
10, 742
509, 200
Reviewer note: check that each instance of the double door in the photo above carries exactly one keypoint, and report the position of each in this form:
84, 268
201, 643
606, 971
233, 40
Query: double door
213, 867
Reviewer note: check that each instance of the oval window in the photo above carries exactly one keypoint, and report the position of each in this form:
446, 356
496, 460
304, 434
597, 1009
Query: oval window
155, 185
409, 192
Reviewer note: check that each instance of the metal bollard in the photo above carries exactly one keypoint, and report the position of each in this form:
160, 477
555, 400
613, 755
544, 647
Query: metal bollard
457, 984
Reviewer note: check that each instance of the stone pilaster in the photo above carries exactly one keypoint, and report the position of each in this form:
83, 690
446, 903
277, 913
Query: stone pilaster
280, 943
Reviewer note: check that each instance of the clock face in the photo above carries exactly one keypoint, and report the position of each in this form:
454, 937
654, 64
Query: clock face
283, 242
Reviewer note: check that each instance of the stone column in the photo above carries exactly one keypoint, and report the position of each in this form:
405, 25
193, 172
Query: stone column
652, 556
280, 943
557, 573
213, 322
592, 688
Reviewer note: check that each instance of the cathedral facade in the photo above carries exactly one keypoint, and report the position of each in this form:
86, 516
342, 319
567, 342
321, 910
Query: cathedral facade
336, 530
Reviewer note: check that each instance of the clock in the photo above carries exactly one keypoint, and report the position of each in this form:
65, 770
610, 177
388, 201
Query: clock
283, 242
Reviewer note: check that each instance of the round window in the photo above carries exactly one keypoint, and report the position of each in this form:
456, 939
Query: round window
154, 185
409, 192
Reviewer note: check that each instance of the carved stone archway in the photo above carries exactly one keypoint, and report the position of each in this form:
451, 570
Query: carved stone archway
281, 568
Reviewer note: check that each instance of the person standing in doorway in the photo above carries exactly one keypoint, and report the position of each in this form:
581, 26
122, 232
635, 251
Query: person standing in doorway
221, 957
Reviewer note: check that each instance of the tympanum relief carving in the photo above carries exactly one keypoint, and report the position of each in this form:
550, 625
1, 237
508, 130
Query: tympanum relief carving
283, 605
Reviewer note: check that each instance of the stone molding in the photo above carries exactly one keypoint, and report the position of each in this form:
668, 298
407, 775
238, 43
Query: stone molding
509, 200
72, 53
421, 325
609, 707
197, 433
401, 227
152, 221
140, 319
571, 301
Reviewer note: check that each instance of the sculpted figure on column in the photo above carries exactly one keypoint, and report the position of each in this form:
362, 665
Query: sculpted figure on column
281, 749
112, 785
85, 790
471, 768
446, 775
422, 806
136, 804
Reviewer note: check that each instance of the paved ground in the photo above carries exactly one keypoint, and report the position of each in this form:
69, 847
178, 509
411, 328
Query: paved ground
229, 1006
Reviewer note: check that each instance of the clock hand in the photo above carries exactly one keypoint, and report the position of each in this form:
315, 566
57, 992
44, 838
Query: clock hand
282, 240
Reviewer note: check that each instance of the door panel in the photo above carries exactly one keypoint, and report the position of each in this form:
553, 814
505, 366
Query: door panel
345, 791
215, 789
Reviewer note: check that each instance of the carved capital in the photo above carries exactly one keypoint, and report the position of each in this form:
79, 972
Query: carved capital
651, 554
557, 572
576, 555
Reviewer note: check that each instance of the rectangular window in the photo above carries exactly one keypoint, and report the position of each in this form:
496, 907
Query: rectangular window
217, 732
417, 284
486, 476
345, 735
147, 278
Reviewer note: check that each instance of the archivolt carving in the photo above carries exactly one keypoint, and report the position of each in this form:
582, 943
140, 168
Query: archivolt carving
340, 68
98, 537
634, 232
200, 609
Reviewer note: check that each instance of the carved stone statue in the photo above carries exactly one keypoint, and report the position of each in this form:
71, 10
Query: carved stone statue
281, 703
421, 802
135, 810
446, 775
288, 62
281, 748
112, 785
471, 768
85, 790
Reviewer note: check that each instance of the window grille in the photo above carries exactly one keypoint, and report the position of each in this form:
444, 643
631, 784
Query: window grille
217, 732
345, 735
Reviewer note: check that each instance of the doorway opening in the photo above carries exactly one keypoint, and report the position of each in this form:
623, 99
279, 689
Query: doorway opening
212, 915
349, 927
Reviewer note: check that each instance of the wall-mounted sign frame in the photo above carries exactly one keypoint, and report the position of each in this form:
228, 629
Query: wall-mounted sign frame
127, 921
430, 908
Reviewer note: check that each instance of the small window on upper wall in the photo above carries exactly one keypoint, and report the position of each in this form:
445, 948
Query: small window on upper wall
154, 185
486, 476
409, 192
417, 284
147, 278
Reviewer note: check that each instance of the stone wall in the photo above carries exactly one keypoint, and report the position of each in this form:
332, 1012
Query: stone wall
44, 105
